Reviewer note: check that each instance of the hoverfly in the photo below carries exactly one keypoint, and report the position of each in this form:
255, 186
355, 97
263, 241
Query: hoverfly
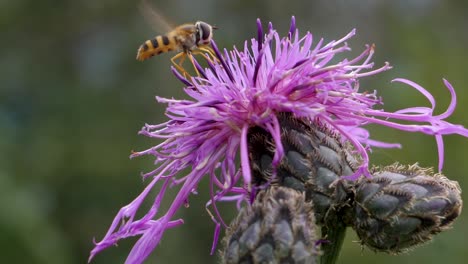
188, 39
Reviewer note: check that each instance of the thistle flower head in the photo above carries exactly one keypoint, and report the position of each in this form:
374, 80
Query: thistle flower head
247, 88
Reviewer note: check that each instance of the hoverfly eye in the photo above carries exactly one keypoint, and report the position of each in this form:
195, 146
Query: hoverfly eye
205, 31
197, 33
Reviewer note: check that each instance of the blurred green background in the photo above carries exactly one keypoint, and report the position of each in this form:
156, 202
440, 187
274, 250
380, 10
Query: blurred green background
73, 97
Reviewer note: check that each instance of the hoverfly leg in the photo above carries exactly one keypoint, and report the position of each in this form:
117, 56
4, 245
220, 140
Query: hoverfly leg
178, 65
190, 55
209, 50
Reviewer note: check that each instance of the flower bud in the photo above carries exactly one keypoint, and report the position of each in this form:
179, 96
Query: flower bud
404, 206
279, 227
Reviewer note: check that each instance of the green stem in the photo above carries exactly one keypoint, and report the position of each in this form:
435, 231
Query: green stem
334, 234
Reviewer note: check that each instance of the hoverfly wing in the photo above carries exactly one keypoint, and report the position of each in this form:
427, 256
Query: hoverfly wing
153, 17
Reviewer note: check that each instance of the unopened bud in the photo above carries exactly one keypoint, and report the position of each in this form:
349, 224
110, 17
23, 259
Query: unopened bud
404, 206
279, 227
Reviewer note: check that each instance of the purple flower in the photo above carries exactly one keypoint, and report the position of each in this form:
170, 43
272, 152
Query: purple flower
249, 87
